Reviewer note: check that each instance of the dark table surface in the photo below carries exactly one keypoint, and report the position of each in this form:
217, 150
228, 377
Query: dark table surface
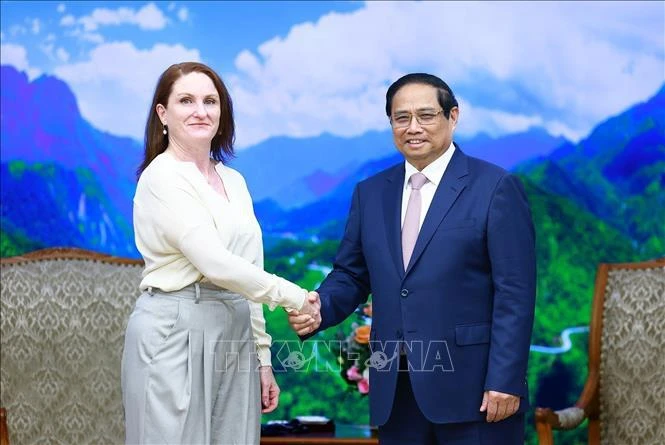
344, 434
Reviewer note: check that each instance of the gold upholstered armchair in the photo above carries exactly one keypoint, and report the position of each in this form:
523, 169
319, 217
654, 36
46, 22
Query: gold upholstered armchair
63, 318
624, 394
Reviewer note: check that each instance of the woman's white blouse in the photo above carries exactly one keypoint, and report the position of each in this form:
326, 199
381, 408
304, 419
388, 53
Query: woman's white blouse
187, 232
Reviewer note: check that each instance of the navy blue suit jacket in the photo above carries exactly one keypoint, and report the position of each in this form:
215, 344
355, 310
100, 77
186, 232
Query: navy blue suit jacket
464, 306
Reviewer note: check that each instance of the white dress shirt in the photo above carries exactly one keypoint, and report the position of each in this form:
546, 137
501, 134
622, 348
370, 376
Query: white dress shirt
434, 172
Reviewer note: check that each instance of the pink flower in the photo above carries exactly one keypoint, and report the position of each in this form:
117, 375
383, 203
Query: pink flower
363, 386
353, 374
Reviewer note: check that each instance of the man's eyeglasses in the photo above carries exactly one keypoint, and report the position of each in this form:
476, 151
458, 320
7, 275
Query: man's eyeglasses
403, 120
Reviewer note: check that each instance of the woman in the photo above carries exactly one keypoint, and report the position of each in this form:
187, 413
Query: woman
189, 371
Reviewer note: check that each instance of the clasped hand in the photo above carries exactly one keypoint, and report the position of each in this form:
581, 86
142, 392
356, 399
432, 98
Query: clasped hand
308, 318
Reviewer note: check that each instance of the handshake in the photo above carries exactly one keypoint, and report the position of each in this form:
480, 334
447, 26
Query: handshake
308, 318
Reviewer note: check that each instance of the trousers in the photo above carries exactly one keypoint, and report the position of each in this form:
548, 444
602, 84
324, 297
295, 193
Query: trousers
189, 369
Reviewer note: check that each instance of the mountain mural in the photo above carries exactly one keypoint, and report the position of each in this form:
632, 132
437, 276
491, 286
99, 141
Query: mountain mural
304, 185
296, 183
41, 122
617, 173
45, 204
296, 172
65, 183
622, 185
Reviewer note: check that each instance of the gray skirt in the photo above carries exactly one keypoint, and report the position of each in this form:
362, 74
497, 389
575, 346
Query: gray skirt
190, 370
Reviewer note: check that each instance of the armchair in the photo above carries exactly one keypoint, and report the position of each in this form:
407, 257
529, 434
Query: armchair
624, 394
64, 313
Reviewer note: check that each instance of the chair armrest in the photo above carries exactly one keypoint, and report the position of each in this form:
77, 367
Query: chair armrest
564, 419
548, 420
568, 418
587, 406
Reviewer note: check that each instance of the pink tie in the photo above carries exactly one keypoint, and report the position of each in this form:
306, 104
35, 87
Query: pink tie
412, 219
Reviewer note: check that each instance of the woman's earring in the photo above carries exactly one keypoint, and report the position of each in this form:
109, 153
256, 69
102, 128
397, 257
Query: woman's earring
165, 130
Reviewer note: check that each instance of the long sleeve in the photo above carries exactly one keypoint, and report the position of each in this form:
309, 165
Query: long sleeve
178, 235
261, 338
511, 246
347, 285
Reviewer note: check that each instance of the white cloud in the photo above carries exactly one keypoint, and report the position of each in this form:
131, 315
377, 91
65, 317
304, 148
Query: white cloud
183, 14
35, 26
149, 17
17, 30
495, 122
113, 97
61, 8
332, 75
62, 55
68, 20
92, 37
14, 55
48, 48
557, 128
479, 119
17, 56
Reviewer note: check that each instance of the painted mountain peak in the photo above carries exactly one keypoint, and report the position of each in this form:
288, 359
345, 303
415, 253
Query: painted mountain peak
45, 145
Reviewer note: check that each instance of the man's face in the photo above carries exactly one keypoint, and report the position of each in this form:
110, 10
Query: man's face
421, 143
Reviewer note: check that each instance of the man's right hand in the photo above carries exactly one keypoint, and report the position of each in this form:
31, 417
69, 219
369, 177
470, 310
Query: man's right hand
308, 318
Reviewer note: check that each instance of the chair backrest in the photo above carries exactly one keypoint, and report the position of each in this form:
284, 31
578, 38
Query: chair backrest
632, 352
64, 313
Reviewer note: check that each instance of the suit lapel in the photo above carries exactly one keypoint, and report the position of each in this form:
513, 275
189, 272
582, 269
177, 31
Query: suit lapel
452, 183
392, 207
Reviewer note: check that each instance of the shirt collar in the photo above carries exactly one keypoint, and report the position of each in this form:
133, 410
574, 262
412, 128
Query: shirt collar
433, 172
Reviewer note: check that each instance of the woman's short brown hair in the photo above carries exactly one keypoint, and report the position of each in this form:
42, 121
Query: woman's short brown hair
221, 146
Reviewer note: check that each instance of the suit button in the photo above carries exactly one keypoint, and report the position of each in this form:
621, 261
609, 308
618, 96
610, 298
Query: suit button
404, 293
398, 333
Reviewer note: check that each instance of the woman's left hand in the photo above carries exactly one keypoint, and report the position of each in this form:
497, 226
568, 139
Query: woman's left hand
269, 390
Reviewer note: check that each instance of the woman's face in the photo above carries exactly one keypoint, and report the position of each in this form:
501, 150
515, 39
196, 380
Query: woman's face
193, 110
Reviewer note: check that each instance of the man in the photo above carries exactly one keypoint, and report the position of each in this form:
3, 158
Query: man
445, 244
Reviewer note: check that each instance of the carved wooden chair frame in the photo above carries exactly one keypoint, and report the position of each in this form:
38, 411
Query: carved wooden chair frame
588, 404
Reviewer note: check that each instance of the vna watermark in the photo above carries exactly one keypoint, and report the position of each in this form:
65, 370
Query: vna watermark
324, 356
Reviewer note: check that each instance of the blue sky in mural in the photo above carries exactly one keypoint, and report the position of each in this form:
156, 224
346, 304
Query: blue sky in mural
305, 68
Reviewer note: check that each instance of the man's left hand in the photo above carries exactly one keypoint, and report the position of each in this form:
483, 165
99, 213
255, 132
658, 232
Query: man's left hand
499, 405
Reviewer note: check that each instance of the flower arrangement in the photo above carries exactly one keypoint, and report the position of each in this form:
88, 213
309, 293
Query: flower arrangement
354, 353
